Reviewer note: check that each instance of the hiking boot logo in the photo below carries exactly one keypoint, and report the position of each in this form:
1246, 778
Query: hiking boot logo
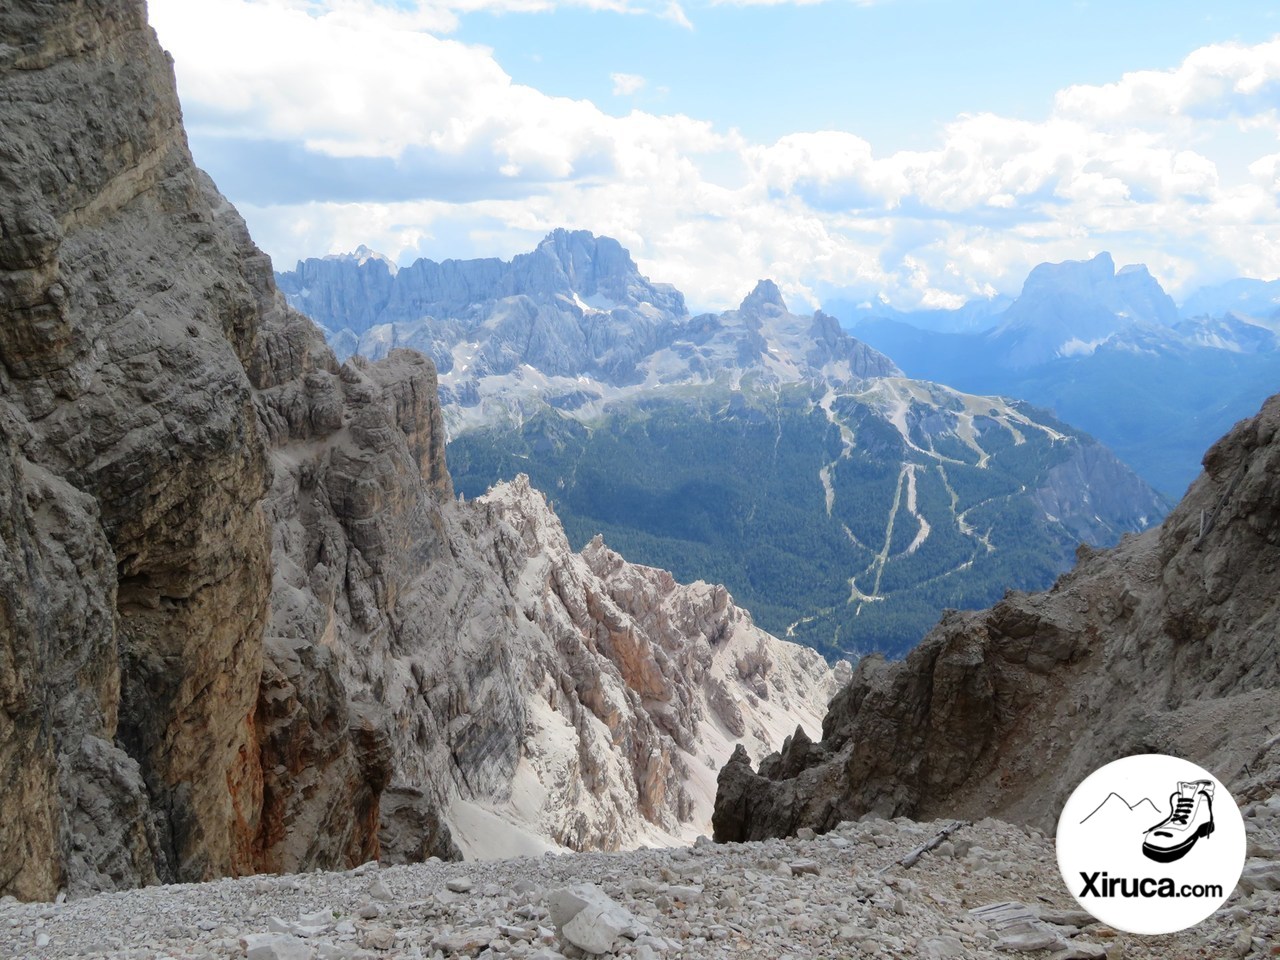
1127, 857
1190, 818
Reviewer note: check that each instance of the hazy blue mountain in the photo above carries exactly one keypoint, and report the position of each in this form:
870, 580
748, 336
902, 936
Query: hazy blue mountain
575, 305
1248, 297
1106, 351
842, 502
1233, 332
1068, 309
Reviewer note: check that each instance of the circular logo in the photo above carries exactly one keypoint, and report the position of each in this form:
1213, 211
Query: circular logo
1151, 844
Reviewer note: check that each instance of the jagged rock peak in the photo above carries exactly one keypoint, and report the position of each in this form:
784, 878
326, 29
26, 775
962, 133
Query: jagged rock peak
764, 299
571, 280
616, 652
1164, 644
362, 255
586, 259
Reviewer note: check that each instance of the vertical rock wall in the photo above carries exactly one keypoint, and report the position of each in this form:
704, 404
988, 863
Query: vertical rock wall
132, 437
238, 602
148, 363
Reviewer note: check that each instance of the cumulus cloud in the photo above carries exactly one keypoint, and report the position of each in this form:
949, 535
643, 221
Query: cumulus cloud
1219, 82
339, 122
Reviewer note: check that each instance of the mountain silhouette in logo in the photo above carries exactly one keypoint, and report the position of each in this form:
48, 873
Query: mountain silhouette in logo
1116, 808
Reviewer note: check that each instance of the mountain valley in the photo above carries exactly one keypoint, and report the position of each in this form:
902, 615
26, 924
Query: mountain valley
844, 504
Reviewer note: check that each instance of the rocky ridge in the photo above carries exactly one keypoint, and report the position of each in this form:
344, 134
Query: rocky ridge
572, 325
575, 305
989, 890
1165, 644
244, 625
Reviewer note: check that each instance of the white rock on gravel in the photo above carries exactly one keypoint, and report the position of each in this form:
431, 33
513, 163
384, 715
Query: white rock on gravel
275, 946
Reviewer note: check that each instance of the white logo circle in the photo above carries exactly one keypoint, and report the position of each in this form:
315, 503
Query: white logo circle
1151, 844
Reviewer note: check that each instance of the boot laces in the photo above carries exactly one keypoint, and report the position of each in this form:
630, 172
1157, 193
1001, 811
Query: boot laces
1182, 810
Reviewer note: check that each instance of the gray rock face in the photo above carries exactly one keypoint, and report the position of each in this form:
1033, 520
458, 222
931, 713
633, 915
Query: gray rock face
137, 566
148, 363
1163, 644
410, 829
571, 325
575, 304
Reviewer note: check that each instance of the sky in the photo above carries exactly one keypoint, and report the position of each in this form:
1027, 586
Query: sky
918, 152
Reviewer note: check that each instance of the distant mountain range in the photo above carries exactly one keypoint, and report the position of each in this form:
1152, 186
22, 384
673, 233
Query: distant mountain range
842, 502
1107, 350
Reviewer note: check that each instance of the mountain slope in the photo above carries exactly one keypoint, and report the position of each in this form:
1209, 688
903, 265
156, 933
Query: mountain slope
846, 520
844, 503
1166, 644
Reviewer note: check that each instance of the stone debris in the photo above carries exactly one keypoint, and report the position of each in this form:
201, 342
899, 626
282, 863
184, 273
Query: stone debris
999, 896
1260, 875
590, 919
275, 946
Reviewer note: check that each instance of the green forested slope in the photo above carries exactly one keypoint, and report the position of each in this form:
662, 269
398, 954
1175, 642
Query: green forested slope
727, 487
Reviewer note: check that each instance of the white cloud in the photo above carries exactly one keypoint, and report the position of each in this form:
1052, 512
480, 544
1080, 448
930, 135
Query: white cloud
474, 163
1220, 81
626, 84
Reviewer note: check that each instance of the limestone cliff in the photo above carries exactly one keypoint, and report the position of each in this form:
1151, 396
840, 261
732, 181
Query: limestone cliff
1165, 644
636, 688
243, 623
135, 551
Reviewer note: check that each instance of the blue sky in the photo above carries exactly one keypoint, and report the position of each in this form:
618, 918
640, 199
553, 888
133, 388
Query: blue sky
892, 72
921, 151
